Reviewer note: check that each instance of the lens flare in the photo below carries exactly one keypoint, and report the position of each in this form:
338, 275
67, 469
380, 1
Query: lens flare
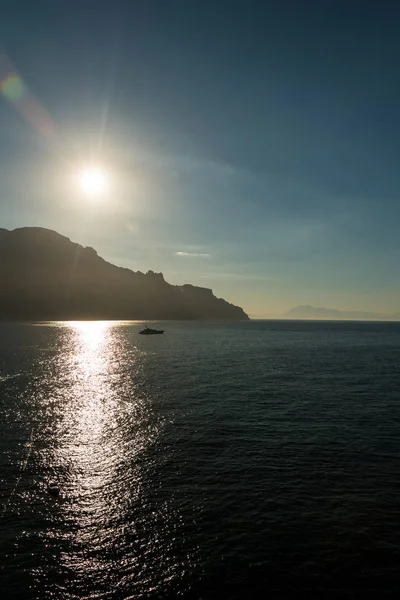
12, 87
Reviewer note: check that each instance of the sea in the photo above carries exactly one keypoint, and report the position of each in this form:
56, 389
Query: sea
219, 460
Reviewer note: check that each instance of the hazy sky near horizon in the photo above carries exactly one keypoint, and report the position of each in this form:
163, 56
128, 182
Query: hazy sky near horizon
252, 146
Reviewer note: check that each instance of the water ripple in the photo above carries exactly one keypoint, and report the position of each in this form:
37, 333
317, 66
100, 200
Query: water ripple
216, 461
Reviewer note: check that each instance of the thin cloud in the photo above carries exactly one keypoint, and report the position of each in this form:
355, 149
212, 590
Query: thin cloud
247, 276
195, 254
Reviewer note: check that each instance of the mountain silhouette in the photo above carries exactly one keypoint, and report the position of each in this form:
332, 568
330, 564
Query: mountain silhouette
45, 276
318, 312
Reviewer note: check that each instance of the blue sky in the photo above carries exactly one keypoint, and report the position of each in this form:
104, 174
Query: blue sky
252, 145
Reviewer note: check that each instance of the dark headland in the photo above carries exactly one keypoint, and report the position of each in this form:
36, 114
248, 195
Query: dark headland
45, 276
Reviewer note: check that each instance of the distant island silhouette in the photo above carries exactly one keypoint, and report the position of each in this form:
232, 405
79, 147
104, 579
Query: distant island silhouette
317, 312
46, 276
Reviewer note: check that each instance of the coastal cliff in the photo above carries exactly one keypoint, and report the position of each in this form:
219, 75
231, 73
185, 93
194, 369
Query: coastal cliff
45, 276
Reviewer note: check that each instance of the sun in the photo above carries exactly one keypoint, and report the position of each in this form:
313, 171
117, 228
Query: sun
93, 181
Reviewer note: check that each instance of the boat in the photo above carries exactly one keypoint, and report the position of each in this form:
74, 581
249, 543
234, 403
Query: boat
149, 331
53, 488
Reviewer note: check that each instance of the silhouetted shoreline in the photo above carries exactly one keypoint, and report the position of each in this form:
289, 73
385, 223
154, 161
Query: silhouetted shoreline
46, 277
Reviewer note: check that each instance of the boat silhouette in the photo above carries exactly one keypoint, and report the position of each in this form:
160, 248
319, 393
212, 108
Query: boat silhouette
149, 331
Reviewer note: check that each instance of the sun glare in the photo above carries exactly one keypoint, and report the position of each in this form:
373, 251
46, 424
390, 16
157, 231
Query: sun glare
93, 181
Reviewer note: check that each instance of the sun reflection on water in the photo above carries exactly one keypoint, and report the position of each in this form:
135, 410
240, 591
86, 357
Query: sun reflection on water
92, 333
102, 427
92, 350
100, 446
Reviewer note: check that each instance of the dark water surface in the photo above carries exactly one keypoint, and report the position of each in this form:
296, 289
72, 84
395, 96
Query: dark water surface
216, 461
